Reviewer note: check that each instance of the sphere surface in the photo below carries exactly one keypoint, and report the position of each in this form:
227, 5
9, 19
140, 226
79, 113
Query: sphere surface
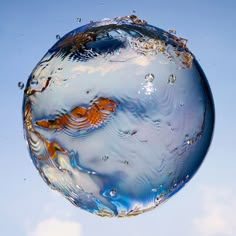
118, 116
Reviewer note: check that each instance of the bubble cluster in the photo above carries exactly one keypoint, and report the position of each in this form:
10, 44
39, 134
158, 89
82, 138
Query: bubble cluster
118, 116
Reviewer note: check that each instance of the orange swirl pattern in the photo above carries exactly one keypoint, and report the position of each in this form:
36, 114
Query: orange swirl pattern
81, 118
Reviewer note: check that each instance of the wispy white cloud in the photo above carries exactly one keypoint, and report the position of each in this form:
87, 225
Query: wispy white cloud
56, 227
219, 213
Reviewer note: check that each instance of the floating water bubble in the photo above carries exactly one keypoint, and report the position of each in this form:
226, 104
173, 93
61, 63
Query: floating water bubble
78, 19
105, 128
20, 85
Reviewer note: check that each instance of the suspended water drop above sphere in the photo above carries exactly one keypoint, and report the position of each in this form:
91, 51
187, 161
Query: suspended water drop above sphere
118, 116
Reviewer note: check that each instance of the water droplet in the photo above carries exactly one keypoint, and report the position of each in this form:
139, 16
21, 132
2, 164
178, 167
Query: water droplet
113, 193
58, 36
126, 162
171, 79
105, 158
21, 85
149, 77
78, 19
172, 31
154, 190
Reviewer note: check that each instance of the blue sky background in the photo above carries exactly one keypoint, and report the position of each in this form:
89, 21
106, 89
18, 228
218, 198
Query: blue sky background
206, 206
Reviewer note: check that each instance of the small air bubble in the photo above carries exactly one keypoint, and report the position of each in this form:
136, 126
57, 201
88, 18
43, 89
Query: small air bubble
113, 193
149, 77
21, 85
171, 79
58, 36
154, 190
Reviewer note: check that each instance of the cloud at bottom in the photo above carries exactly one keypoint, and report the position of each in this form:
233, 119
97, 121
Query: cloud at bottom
218, 212
56, 227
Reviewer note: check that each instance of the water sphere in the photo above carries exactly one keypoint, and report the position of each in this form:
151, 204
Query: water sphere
118, 116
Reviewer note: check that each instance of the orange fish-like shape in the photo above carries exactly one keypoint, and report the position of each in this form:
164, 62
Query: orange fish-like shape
81, 118
53, 148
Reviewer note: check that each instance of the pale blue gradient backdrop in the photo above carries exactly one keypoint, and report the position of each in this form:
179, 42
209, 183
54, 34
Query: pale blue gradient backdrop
29, 28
